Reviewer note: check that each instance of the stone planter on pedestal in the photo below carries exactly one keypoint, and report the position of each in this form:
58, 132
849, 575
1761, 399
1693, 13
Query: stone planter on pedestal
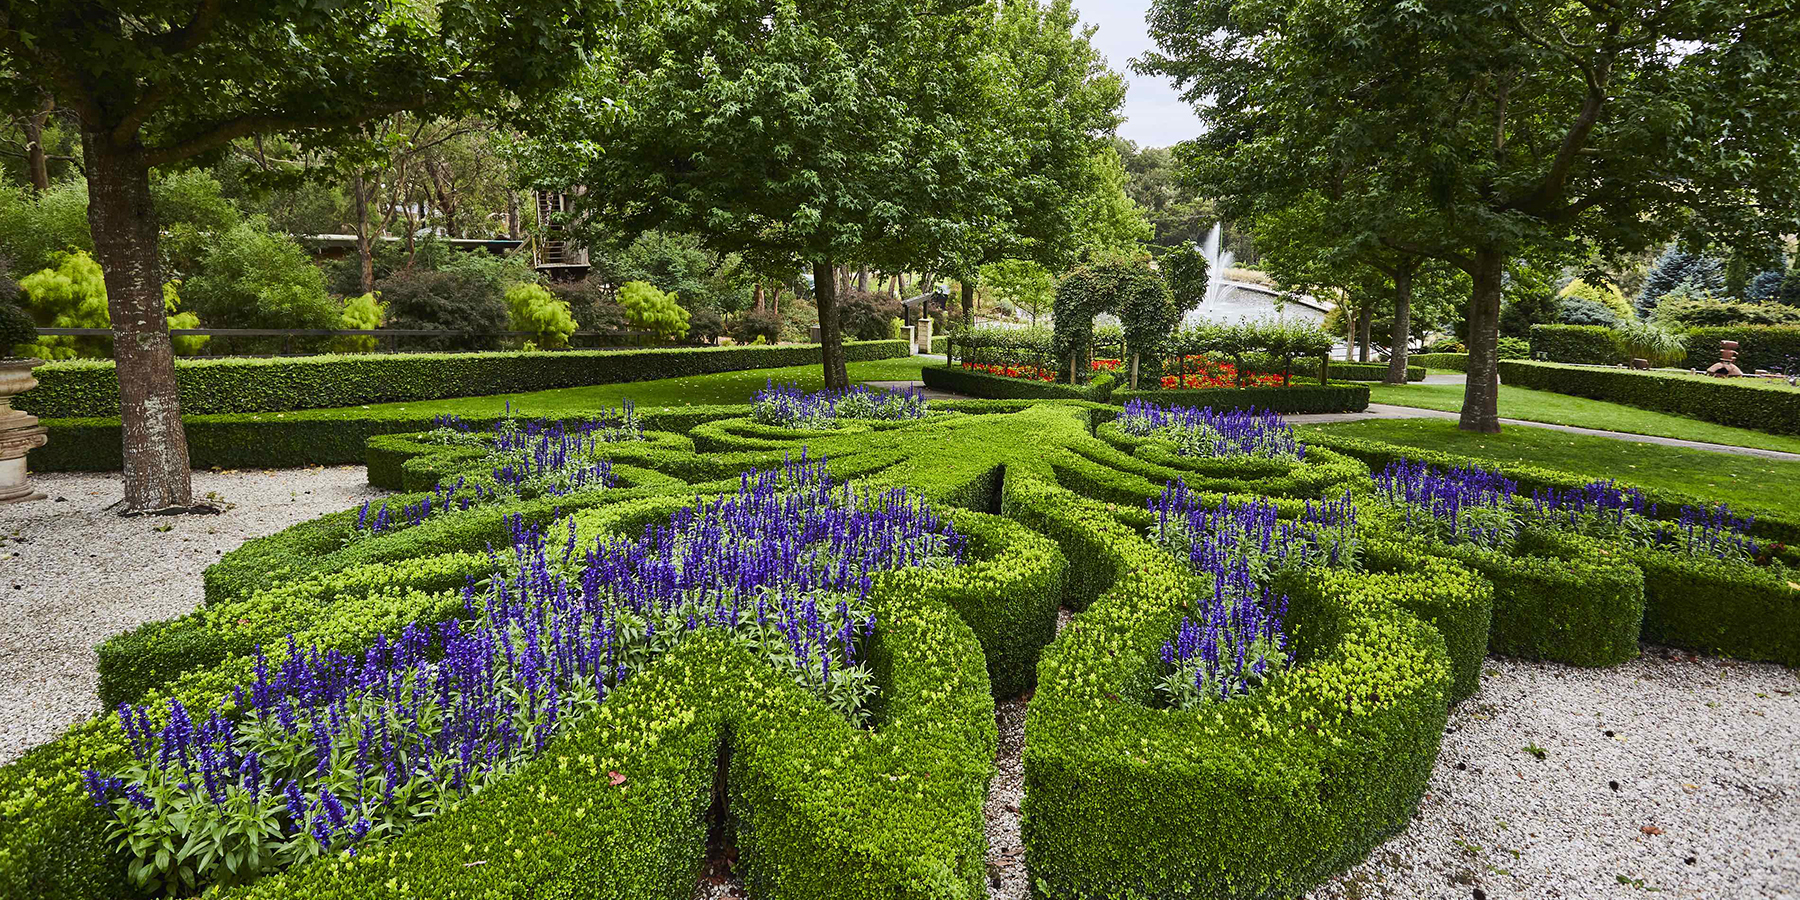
19, 431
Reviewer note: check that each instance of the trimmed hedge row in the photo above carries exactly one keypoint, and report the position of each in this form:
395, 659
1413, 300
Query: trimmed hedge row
1449, 362
940, 344
1759, 346
1754, 404
1590, 344
1349, 371
1126, 800
90, 388
999, 387
1292, 400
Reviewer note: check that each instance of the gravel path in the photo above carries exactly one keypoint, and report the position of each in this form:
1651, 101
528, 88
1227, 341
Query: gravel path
76, 573
1671, 775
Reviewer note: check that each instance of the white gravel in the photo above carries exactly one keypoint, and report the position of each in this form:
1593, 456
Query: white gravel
1705, 754
76, 573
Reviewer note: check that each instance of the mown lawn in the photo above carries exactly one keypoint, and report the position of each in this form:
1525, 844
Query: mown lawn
698, 390
1746, 481
1562, 409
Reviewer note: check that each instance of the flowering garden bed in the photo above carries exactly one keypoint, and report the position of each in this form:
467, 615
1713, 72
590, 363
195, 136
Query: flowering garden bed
543, 670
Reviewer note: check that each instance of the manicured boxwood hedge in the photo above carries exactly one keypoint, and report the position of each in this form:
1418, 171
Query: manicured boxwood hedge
999, 387
1743, 403
1759, 346
1293, 400
1735, 609
1592, 344
89, 388
1349, 371
1449, 362
940, 344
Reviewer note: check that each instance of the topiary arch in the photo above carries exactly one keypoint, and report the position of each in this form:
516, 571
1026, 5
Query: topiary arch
1129, 289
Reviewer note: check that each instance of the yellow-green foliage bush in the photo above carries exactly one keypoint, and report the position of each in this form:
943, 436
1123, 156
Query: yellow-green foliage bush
653, 310
535, 309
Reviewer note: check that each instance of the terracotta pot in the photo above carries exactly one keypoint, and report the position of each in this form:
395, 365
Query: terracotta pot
19, 431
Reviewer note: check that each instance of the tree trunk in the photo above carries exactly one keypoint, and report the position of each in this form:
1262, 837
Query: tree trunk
1402, 333
968, 302
862, 279
1481, 396
1349, 332
512, 215
125, 245
37, 165
831, 338
365, 251
756, 298
1365, 324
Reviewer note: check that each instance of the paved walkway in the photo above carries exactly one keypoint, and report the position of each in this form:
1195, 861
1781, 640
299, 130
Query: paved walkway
1389, 411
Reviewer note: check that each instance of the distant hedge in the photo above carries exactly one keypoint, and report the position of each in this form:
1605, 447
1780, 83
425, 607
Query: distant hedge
1759, 346
1449, 362
1000, 387
1742, 403
88, 388
1349, 371
1297, 399
1592, 344
940, 344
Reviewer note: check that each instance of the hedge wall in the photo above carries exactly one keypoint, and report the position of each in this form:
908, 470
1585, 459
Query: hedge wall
999, 387
1349, 371
1743, 403
88, 388
1759, 346
1449, 362
1592, 344
1296, 399
940, 344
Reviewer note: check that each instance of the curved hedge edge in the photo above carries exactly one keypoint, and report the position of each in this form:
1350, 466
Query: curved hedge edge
1296, 399
1337, 752
1717, 607
83, 388
1740, 403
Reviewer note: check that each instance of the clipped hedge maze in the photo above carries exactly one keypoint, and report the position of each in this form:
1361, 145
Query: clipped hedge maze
1128, 795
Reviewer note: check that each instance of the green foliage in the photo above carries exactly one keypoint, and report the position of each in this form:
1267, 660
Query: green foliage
1449, 362
958, 380
1129, 289
1606, 295
1592, 344
1646, 341
71, 293
364, 313
90, 388
1681, 309
1681, 272
1023, 283
1108, 223
1342, 371
537, 310
35, 228
16, 329
756, 326
1292, 400
679, 264
1579, 311
864, 315
254, 278
468, 301
1281, 341
1185, 271
1758, 347
1773, 408
649, 309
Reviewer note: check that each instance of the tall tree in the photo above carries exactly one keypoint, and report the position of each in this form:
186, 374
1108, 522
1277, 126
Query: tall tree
159, 83
798, 134
1543, 126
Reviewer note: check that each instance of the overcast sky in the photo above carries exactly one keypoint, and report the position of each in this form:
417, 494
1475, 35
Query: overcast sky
1154, 115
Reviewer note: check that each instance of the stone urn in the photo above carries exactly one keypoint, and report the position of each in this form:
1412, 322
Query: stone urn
19, 431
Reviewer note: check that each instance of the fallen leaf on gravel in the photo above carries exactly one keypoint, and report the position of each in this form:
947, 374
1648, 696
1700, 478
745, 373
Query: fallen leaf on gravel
1651, 829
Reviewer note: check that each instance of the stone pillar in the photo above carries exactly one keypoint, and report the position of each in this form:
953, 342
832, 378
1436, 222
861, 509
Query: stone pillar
19, 431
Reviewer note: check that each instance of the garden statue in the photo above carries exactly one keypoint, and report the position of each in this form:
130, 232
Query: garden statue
19, 431
1726, 367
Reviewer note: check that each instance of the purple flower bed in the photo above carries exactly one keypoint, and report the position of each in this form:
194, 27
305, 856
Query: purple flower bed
1464, 505
786, 406
324, 752
1203, 432
1236, 640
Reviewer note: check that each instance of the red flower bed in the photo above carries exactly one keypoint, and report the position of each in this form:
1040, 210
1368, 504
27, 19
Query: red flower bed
1200, 372
1032, 373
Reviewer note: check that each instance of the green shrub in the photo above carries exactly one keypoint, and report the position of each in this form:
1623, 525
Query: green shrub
1758, 347
1590, 344
1713, 606
446, 301
865, 315
1651, 343
649, 309
1347, 371
16, 329
250, 277
756, 325
1741, 403
210, 387
536, 310
71, 293
1294, 399
1449, 362
364, 313
958, 380
592, 304
1685, 311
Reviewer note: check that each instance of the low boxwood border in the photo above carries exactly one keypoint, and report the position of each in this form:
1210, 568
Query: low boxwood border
1449, 362
988, 386
90, 388
1349, 371
1292, 400
1738, 402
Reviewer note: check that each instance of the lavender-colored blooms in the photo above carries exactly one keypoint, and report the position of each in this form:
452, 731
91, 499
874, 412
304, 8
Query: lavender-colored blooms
1203, 432
338, 745
1463, 505
787, 406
